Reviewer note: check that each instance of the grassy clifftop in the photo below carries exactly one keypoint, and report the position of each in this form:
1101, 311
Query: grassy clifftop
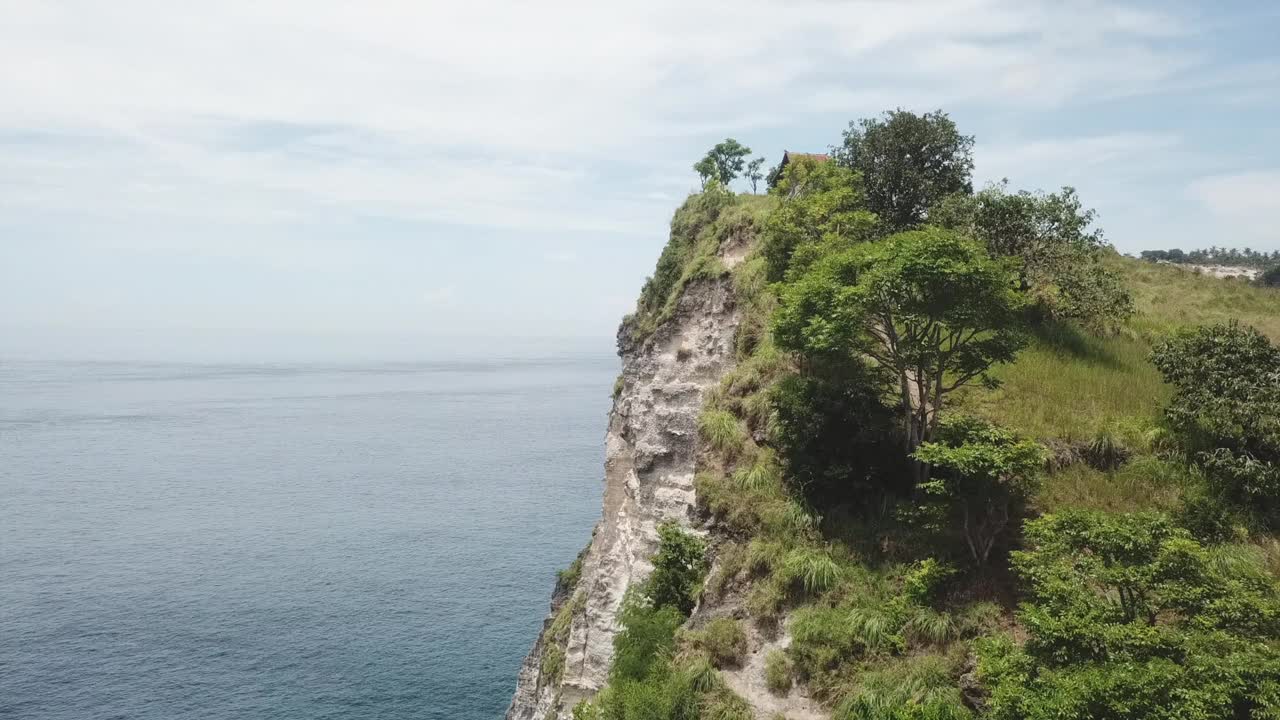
830, 579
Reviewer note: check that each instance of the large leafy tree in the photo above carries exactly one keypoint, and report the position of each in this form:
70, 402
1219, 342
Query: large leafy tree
930, 306
1059, 254
1129, 618
1226, 407
909, 163
823, 209
723, 163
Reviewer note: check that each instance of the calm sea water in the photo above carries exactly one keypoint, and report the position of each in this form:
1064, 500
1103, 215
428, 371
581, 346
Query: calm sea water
286, 542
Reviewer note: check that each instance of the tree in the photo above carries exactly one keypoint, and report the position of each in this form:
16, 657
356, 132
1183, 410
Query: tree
706, 169
988, 475
1270, 278
909, 163
1060, 257
1130, 618
724, 162
753, 173
930, 306
1226, 408
823, 208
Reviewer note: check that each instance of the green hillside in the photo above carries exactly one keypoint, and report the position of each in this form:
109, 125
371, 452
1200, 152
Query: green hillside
1064, 535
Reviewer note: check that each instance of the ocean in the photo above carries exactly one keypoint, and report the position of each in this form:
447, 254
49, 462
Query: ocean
293, 542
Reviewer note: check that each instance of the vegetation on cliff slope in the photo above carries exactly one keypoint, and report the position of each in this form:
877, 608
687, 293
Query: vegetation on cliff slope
971, 461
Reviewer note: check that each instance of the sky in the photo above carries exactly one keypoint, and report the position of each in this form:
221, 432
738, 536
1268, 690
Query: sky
263, 180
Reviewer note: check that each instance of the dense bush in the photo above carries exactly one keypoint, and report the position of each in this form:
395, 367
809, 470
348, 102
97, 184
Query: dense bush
678, 569
985, 474
1226, 409
1129, 617
835, 435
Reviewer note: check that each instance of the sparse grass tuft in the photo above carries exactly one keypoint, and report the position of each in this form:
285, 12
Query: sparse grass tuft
724, 641
777, 672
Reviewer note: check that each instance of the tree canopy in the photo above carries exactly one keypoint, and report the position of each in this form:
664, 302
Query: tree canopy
931, 306
1059, 253
1226, 407
909, 163
724, 162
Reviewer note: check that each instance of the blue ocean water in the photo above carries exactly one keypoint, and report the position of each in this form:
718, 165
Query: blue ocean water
287, 542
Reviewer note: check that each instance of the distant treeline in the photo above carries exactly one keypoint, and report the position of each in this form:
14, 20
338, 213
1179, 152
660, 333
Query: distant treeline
1216, 256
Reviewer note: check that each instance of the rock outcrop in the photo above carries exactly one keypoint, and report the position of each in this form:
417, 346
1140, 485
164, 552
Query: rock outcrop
651, 452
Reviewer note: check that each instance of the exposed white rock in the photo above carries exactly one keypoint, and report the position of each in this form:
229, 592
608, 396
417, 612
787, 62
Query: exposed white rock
650, 454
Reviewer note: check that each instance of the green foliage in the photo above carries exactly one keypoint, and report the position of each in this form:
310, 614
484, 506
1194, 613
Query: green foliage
929, 627
777, 672
930, 306
1059, 258
988, 475
753, 173
1270, 278
917, 689
1131, 618
922, 581
823, 209
1227, 409
723, 640
809, 569
909, 162
723, 163
835, 434
678, 569
722, 431
647, 637
1105, 451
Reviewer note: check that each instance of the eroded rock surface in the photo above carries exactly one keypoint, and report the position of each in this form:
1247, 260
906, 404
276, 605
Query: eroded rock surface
650, 456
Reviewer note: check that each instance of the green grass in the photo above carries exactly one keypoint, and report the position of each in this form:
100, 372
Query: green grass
723, 640
777, 672
1071, 385
1169, 297
1144, 483
722, 431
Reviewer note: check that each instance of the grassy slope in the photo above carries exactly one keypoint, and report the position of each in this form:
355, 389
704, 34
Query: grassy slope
1070, 386
851, 622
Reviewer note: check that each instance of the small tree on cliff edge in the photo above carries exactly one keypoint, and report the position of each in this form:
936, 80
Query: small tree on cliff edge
753, 173
929, 305
724, 162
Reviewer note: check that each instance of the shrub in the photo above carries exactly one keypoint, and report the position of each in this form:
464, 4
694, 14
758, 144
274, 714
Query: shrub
678, 569
1224, 408
1129, 617
724, 641
777, 672
648, 634
924, 579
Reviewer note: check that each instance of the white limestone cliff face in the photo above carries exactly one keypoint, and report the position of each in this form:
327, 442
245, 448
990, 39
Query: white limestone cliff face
651, 449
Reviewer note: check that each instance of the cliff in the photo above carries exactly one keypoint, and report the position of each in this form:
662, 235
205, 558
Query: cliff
650, 457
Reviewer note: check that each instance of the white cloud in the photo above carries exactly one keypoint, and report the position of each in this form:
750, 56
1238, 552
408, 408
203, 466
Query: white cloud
520, 115
1245, 203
